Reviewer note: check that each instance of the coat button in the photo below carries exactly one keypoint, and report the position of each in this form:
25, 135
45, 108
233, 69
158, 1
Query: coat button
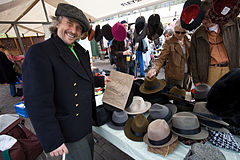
76, 104
77, 114
74, 84
76, 94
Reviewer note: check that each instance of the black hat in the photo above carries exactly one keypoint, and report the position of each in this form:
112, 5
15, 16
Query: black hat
154, 27
98, 33
192, 14
140, 29
107, 32
73, 13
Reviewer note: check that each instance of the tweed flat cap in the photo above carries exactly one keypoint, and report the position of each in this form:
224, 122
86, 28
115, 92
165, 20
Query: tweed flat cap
73, 13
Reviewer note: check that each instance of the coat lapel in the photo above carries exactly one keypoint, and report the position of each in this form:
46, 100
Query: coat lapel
68, 57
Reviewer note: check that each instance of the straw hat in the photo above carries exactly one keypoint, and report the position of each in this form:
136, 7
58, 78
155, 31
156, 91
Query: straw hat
186, 124
152, 85
135, 128
138, 106
159, 134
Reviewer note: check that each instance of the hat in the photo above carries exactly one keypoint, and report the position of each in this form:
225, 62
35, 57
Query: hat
176, 93
140, 29
154, 27
91, 33
119, 32
135, 128
200, 151
209, 119
84, 35
189, 142
107, 32
164, 150
138, 106
158, 111
186, 124
152, 85
192, 14
73, 13
98, 33
224, 10
159, 134
183, 106
118, 120
102, 116
201, 91
156, 98
223, 140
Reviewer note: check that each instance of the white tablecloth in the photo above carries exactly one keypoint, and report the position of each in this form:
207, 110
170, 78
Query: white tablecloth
138, 150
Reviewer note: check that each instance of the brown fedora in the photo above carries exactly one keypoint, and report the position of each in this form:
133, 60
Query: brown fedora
186, 124
159, 134
138, 106
84, 35
135, 128
91, 33
152, 85
176, 93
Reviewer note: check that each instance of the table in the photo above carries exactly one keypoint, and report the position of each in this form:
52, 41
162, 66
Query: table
138, 150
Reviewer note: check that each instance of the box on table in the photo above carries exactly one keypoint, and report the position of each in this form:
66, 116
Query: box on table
21, 109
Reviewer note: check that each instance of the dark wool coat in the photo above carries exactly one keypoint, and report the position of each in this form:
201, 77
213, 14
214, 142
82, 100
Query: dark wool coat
59, 92
7, 74
224, 98
200, 49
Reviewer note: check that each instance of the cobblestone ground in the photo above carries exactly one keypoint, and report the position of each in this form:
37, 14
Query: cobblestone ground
103, 149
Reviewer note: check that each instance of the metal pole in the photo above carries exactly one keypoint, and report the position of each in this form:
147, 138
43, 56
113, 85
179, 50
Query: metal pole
19, 39
45, 11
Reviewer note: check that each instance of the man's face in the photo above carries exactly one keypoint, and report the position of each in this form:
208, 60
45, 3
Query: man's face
125, 25
207, 21
68, 30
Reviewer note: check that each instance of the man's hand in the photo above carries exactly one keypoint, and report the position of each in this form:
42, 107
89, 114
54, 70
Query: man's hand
59, 151
196, 84
127, 52
152, 72
107, 79
134, 57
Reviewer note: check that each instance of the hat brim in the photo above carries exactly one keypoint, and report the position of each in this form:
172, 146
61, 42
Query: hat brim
213, 120
148, 105
111, 125
145, 91
129, 134
171, 141
222, 129
201, 135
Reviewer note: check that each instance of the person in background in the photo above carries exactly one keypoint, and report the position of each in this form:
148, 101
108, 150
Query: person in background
7, 73
214, 49
124, 53
59, 87
176, 52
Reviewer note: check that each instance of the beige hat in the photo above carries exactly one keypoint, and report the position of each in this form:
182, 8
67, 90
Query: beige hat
186, 124
138, 106
159, 134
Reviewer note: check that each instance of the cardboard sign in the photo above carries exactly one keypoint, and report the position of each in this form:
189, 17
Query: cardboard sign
118, 90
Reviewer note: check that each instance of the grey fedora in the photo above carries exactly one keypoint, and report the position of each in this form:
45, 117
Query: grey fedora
200, 151
201, 91
158, 111
118, 120
73, 13
186, 124
159, 134
209, 119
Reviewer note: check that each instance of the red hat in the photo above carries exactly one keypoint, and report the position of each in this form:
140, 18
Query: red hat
192, 14
224, 10
119, 32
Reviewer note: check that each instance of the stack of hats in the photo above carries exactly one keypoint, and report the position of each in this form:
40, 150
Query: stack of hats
224, 10
159, 136
192, 14
154, 27
158, 111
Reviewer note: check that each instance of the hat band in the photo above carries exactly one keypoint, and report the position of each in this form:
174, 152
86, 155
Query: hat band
211, 116
138, 134
118, 124
161, 142
152, 87
211, 123
187, 132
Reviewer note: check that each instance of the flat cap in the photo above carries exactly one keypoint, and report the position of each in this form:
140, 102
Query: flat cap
73, 13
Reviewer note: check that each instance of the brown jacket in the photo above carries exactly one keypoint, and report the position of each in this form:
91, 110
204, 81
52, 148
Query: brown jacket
172, 52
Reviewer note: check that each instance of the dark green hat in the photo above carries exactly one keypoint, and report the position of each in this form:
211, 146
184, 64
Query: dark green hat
73, 13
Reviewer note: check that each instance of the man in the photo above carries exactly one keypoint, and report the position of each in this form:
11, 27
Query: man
214, 49
58, 87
